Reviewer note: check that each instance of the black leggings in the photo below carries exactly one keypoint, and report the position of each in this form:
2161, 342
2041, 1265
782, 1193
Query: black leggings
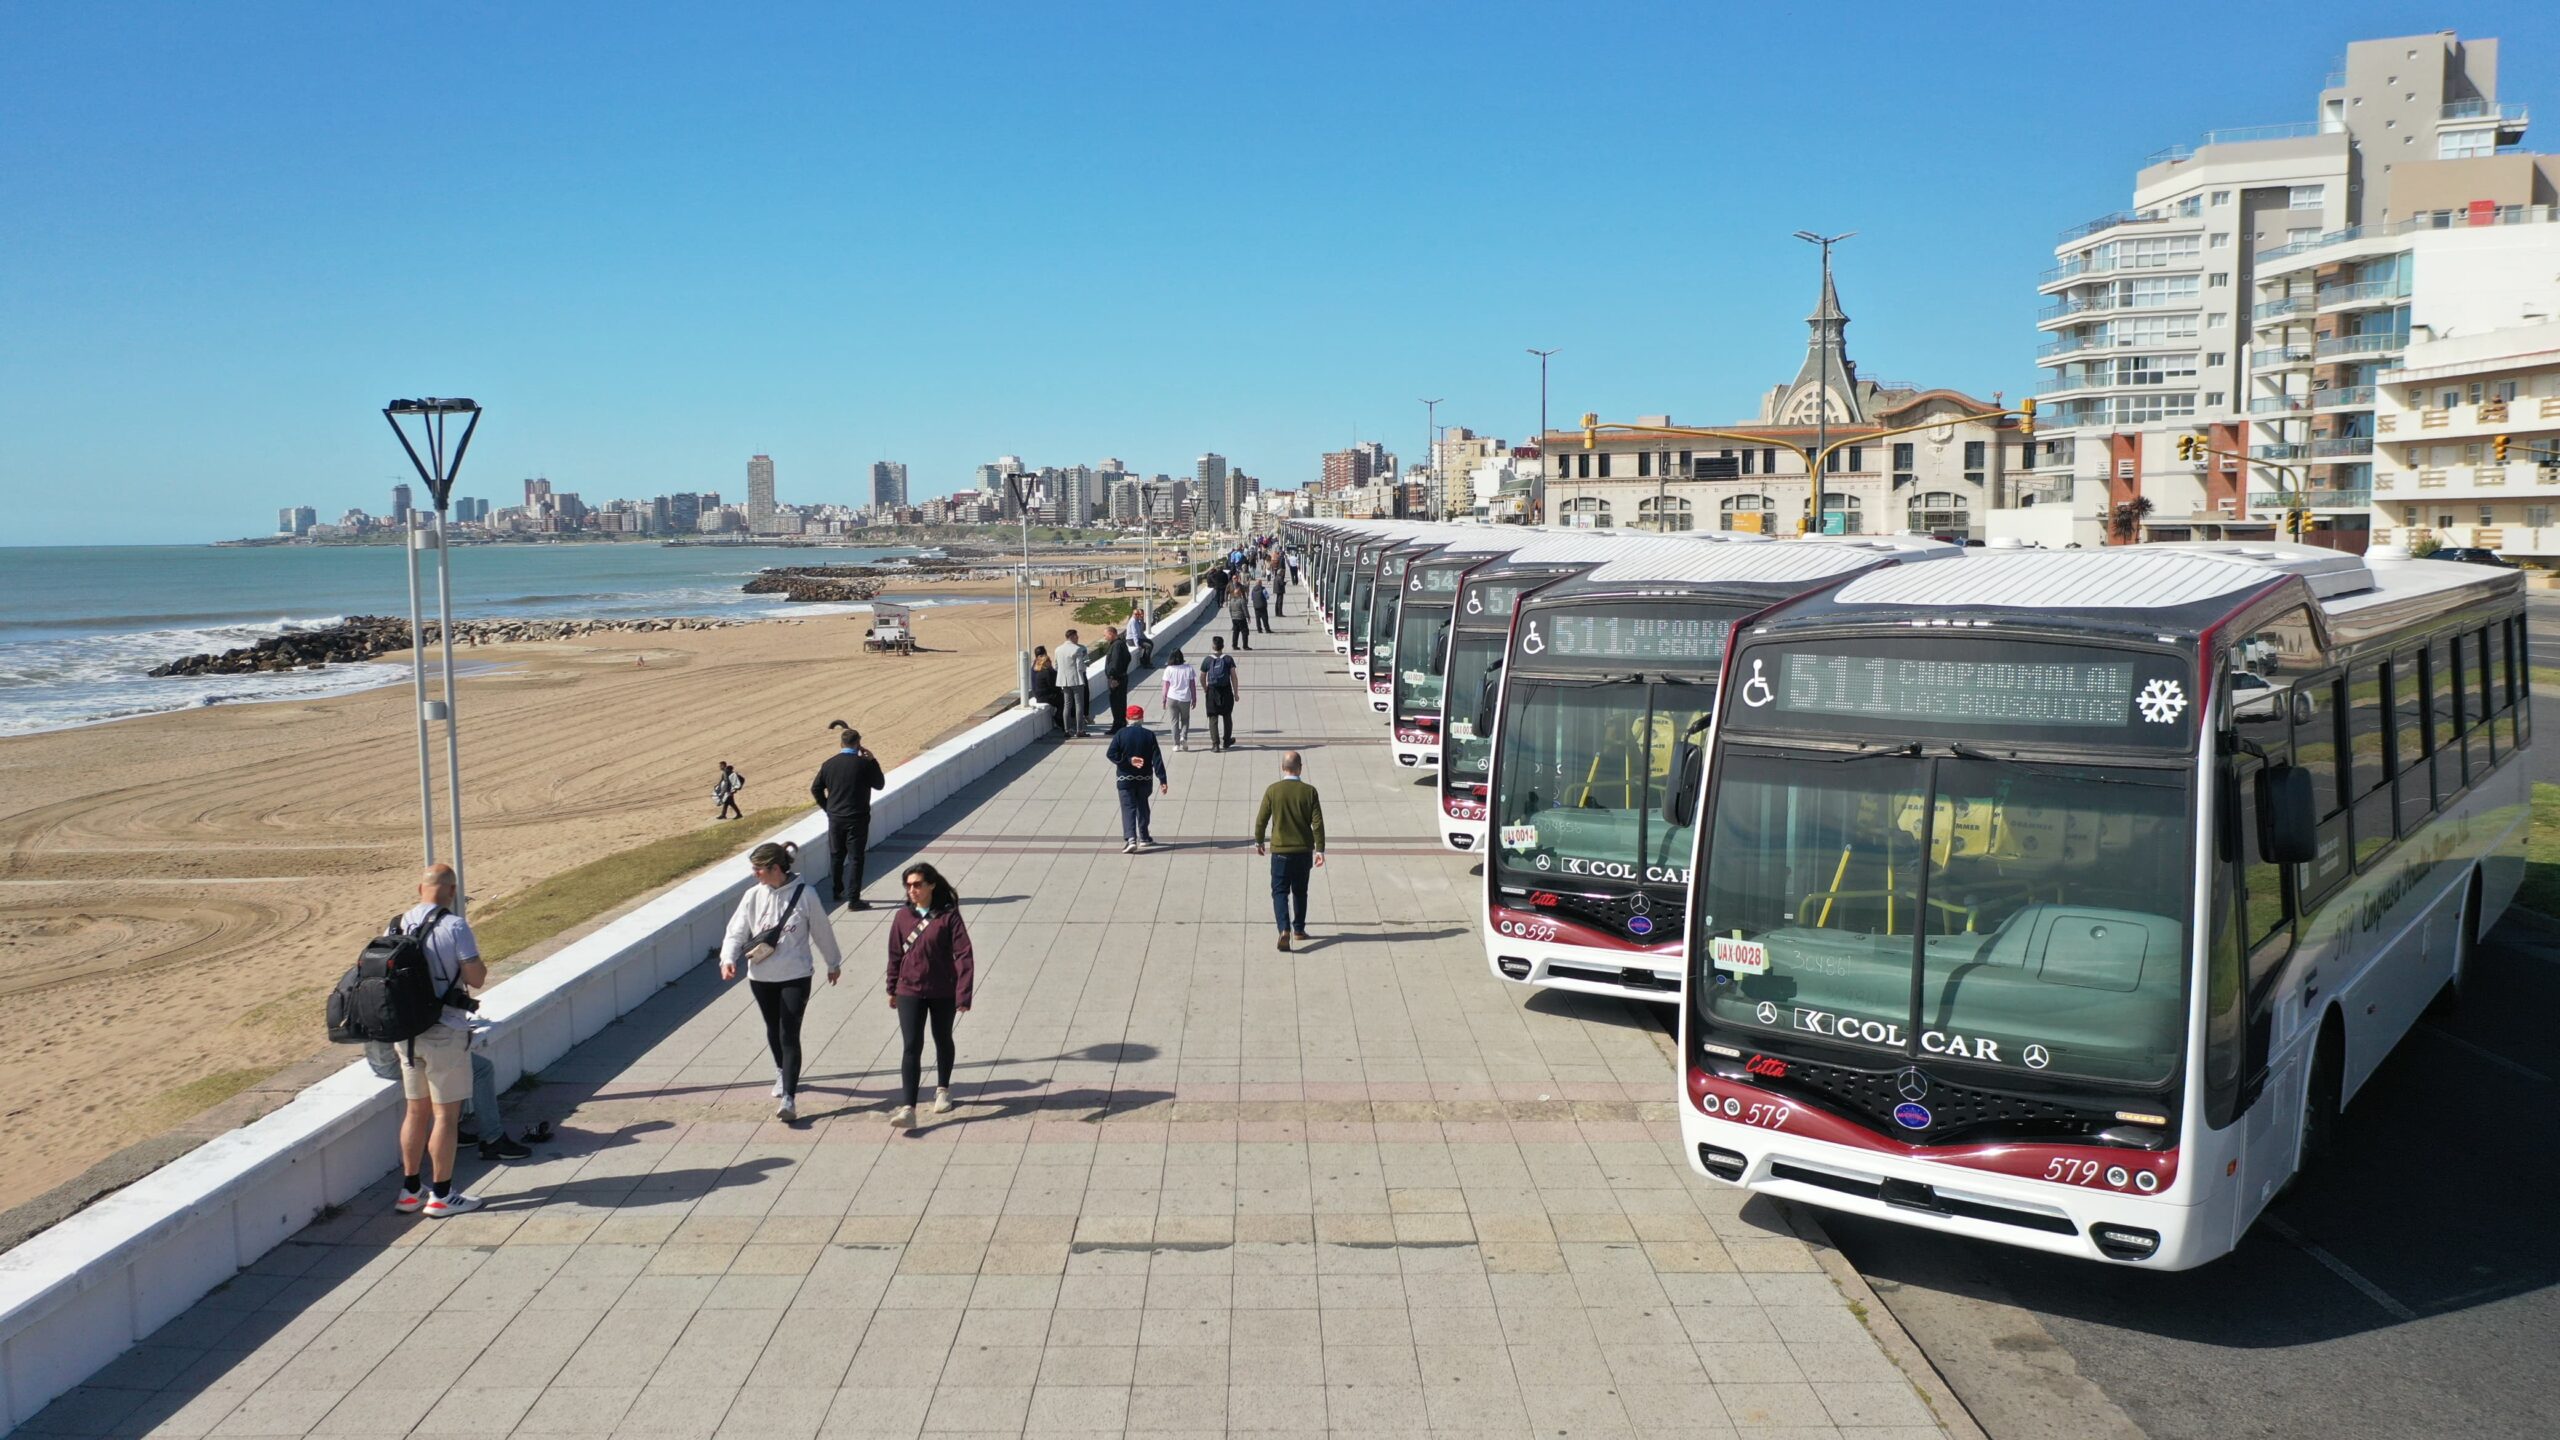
912, 1010
783, 1003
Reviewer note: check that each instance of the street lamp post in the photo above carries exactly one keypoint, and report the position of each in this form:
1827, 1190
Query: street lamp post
1822, 404
1431, 437
1539, 500
1019, 485
436, 469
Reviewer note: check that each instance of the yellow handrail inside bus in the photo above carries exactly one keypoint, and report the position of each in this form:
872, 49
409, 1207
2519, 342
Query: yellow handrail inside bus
1836, 877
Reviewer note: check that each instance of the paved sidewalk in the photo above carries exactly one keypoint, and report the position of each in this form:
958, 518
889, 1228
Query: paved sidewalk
1192, 1186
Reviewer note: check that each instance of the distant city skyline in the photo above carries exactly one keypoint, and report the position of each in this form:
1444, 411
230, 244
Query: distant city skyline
209, 297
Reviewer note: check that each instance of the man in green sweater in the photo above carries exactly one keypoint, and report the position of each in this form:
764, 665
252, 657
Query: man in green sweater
1292, 818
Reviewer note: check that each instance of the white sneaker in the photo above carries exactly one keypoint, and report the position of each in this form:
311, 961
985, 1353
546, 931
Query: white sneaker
777, 1087
785, 1110
941, 1099
903, 1118
409, 1201
1128, 847
457, 1203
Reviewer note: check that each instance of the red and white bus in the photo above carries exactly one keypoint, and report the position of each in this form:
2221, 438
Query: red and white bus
1472, 685
1608, 690
1417, 657
2064, 899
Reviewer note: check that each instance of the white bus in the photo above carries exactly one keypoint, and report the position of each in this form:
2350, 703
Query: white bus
1607, 693
2064, 899
1417, 658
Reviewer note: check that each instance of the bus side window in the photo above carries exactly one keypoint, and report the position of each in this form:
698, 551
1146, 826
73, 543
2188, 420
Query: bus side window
2411, 743
2369, 763
2444, 712
2320, 747
2477, 687
2519, 682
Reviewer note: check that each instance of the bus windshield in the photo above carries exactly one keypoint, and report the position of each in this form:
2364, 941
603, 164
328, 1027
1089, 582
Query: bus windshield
2026, 916
1364, 590
1582, 774
1422, 638
1465, 756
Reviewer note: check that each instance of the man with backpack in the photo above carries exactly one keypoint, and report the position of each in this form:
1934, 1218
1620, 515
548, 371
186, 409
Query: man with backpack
435, 1064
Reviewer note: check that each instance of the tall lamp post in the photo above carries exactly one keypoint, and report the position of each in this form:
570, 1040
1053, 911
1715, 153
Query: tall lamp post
436, 469
1822, 411
1431, 437
1538, 499
1018, 485
1147, 530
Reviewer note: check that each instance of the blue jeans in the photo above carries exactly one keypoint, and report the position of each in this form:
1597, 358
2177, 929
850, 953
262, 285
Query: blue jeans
1289, 876
1136, 812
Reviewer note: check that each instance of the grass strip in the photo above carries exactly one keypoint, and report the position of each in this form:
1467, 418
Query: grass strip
573, 897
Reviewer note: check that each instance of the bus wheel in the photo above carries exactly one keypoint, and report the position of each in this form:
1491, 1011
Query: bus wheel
2466, 948
2320, 1097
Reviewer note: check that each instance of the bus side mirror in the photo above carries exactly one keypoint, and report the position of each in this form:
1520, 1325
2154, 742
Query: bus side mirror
1485, 693
1680, 802
2288, 825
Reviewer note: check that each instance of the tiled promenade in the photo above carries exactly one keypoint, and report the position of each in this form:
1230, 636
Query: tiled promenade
1193, 1186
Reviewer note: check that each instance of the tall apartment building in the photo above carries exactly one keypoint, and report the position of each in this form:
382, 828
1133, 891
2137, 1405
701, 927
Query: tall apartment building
400, 507
760, 494
2178, 316
1455, 458
296, 520
888, 484
1214, 506
2467, 438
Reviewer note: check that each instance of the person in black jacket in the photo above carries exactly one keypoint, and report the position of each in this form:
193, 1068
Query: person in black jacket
1116, 662
843, 789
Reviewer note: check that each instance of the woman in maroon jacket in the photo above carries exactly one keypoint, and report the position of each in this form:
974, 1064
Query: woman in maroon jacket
932, 972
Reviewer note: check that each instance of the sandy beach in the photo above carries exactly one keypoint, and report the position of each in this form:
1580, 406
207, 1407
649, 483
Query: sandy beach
178, 891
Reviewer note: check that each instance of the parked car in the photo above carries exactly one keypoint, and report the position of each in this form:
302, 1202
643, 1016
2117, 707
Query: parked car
2472, 555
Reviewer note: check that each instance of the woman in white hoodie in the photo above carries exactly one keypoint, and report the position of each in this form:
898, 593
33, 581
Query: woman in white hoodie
778, 927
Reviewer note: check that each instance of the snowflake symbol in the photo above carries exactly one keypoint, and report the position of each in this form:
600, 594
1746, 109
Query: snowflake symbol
2161, 701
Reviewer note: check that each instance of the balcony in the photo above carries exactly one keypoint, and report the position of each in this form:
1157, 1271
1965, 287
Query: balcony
2291, 307
2087, 228
2509, 117
2434, 220
2279, 405
2281, 450
2317, 499
2363, 294
2065, 346
2094, 265
2379, 342
2345, 397
2291, 355
2336, 446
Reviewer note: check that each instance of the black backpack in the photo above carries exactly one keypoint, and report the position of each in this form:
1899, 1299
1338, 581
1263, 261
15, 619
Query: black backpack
390, 993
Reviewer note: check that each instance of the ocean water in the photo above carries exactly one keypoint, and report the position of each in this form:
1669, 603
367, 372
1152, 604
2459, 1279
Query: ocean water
80, 625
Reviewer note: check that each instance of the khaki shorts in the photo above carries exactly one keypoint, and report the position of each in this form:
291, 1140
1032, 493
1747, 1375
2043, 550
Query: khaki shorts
443, 1069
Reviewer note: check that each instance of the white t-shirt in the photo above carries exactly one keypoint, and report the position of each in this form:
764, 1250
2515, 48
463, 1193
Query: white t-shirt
449, 947
1181, 684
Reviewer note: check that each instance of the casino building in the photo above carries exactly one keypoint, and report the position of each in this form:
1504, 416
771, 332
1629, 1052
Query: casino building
1938, 481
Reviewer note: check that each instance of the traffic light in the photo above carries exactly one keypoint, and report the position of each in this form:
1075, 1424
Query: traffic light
1590, 431
2186, 447
2296, 522
2027, 417
2499, 443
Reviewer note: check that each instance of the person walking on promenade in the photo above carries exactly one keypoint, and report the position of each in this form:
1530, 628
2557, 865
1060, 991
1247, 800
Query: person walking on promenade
1137, 762
1181, 692
1073, 684
1262, 606
435, 1067
1279, 588
1292, 815
1115, 675
932, 975
1219, 688
1045, 691
843, 789
725, 791
774, 934
1239, 612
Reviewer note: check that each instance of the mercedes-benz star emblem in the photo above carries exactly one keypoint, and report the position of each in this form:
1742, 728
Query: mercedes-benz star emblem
1638, 904
1911, 1084
1768, 1013
2038, 1057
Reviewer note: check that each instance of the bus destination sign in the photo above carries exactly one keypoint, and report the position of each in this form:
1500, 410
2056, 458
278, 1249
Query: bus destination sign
1691, 639
2039, 693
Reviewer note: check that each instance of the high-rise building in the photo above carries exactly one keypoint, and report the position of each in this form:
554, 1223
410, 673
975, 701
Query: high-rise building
684, 512
888, 484
296, 520
1454, 460
759, 494
1347, 469
536, 491
1214, 505
400, 507
2252, 295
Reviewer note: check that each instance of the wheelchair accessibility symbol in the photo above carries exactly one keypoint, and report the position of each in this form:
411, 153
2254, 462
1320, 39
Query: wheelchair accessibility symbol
1756, 691
1533, 643
1475, 604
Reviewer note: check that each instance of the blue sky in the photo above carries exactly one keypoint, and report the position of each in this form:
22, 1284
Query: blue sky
655, 239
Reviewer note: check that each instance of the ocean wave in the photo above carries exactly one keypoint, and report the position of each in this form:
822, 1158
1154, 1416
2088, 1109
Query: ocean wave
67, 704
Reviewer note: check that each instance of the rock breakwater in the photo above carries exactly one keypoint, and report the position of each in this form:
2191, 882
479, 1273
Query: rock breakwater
363, 637
831, 583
